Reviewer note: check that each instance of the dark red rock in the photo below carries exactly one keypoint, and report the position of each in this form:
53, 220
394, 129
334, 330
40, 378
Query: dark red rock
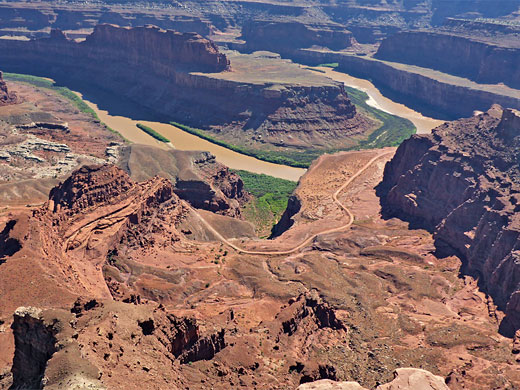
6, 97
141, 45
463, 183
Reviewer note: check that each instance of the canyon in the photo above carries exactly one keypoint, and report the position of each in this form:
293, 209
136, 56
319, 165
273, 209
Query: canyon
481, 61
259, 103
350, 34
127, 262
45, 137
430, 92
369, 21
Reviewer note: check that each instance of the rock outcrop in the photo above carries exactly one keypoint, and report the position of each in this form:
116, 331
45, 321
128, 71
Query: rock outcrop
46, 356
405, 379
462, 182
483, 62
99, 219
54, 349
198, 178
6, 97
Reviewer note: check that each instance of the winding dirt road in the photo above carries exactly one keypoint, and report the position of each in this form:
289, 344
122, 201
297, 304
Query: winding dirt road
312, 237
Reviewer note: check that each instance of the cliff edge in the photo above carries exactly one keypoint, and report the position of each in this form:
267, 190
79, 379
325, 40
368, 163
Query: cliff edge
463, 183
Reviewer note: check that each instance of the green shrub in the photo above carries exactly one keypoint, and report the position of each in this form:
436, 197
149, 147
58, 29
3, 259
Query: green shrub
271, 197
330, 65
152, 132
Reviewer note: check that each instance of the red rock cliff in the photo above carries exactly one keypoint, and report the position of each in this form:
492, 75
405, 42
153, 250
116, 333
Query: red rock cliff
463, 182
483, 62
140, 45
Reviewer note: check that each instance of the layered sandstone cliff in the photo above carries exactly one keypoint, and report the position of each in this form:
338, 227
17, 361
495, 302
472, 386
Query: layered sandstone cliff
483, 62
153, 47
463, 182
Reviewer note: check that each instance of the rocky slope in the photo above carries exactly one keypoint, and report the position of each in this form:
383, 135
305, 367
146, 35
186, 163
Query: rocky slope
44, 137
197, 177
477, 60
75, 348
405, 378
462, 182
164, 304
99, 212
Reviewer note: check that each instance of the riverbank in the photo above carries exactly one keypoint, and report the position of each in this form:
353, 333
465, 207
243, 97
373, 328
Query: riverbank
423, 124
433, 93
185, 141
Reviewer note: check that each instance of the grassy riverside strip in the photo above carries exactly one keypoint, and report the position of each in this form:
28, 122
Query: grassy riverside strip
330, 65
63, 91
153, 133
271, 195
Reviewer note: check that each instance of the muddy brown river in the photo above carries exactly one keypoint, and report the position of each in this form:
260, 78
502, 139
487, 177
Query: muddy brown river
185, 141
423, 123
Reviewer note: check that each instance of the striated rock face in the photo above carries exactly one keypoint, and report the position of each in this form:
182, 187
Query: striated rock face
145, 46
482, 62
88, 187
463, 182
6, 97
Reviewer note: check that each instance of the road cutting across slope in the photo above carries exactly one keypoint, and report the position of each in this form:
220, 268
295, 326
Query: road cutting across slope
312, 237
